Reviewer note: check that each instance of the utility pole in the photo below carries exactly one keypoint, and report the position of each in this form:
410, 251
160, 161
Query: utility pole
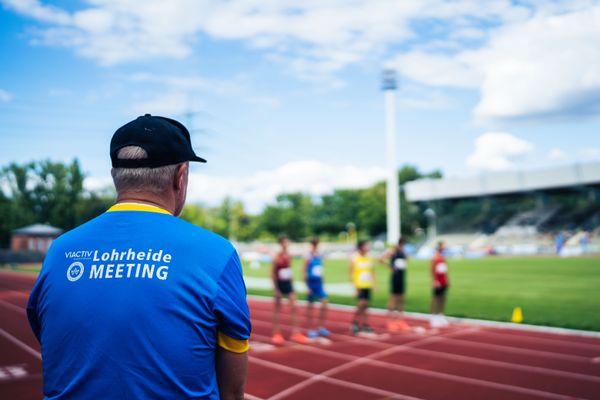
389, 86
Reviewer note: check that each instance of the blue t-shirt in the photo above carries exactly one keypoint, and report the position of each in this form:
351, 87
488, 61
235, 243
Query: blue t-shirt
314, 269
133, 304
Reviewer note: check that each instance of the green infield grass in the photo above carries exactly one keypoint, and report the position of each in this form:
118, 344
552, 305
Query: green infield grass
562, 292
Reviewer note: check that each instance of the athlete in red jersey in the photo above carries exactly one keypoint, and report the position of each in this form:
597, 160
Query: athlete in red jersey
282, 276
439, 275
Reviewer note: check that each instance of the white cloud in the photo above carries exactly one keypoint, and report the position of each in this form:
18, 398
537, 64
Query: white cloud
544, 66
314, 38
260, 188
256, 190
420, 97
590, 153
43, 13
438, 69
557, 154
97, 184
5, 96
537, 59
554, 71
497, 151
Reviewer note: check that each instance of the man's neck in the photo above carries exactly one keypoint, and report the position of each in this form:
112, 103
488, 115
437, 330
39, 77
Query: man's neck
149, 199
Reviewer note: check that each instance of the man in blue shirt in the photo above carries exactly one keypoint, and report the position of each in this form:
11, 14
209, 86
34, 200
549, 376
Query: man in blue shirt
138, 304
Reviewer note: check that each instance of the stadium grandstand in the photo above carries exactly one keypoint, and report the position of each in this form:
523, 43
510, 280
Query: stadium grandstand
544, 211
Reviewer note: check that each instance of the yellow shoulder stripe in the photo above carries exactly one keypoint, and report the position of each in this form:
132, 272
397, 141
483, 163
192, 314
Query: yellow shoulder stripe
137, 207
231, 344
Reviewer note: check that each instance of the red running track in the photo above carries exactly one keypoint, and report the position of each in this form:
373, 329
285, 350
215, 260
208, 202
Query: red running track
463, 361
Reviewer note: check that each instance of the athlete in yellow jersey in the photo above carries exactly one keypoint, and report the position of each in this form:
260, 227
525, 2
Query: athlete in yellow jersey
362, 275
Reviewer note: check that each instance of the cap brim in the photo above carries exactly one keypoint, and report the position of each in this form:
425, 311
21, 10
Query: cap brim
198, 159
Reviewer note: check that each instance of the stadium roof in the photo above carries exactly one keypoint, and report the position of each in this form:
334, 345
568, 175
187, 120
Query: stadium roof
504, 182
38, 230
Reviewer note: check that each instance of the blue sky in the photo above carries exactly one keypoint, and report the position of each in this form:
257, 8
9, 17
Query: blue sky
285, 95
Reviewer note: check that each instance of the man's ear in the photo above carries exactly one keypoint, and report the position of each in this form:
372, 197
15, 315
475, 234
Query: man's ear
181, 176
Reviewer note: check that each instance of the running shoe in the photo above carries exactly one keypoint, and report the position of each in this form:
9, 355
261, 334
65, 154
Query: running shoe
402, 325
366, 329
312, 334
324, 332
299, 338
354, 328
277, 339
436, 321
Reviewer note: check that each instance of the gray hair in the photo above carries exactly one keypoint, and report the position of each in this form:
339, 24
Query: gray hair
154, 180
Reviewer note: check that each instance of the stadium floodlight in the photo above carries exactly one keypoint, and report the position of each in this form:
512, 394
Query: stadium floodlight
389, 85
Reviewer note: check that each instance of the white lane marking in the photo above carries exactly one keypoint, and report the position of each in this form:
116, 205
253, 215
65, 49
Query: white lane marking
476, 322
373, 335
434, 374
506, 365
260, 346
335, 381
510, 349
248, 396
596, 360
376, 342
324, 341
523, 351
408, 346
321, 376
556, 342
20, 344
12, 372
13, 307
370, 337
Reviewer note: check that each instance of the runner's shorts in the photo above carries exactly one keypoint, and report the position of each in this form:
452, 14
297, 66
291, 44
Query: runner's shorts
285, 287
316, 291
440, 291
364, 294
397, 281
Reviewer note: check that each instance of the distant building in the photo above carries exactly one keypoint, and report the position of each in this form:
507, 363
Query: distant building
36, 237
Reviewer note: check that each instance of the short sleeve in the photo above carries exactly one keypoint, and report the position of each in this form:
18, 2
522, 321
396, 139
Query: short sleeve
231, 308
32, 315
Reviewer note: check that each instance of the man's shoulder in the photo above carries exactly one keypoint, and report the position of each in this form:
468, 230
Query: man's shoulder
76, 233
176, 228
196, 234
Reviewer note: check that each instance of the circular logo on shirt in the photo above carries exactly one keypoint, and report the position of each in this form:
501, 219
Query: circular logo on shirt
75, 271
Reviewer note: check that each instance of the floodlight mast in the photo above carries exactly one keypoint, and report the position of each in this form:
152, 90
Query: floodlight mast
389, 86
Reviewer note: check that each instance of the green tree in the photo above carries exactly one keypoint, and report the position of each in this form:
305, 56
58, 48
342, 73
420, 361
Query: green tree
244, 227
291, 215
229, 219
336, 210
46, 192
195, 214
372, 212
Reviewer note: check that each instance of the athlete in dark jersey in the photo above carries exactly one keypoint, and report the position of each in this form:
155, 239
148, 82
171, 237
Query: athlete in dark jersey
313, 272
397, 259
282, 276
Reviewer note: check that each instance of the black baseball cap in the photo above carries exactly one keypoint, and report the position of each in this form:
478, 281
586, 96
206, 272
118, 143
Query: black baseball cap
166, 141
